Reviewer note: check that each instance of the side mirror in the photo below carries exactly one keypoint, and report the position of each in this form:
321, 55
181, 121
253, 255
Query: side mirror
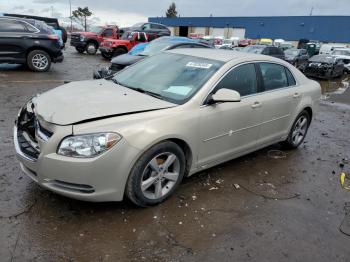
225, 95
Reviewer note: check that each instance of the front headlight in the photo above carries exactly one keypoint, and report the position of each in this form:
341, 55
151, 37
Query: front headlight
82, 38
89, 145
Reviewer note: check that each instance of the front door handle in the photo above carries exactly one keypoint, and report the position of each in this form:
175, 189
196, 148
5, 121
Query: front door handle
256, 105
296, 95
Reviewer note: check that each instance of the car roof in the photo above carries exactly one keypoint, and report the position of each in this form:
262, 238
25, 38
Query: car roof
219, 54
28, 20
176, 39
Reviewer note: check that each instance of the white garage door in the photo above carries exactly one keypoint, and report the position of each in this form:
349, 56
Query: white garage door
238, 32
218, 32
172, 30
199, 30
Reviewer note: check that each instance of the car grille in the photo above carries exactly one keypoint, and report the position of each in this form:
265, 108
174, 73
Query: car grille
28, 128
75, 37
116, 67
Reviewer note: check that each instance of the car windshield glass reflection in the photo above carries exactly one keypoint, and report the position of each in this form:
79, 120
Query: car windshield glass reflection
172, 77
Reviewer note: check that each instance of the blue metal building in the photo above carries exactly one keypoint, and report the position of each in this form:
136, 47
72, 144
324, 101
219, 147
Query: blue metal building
323, 28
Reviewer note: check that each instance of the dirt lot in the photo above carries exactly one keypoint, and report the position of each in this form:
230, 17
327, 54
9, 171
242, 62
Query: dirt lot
286, 209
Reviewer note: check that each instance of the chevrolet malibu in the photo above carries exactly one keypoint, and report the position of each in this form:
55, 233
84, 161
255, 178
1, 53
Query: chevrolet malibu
160, 120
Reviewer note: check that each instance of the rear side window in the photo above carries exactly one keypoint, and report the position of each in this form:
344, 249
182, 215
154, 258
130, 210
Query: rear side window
11, 26
241, 79
274, 76
290, 77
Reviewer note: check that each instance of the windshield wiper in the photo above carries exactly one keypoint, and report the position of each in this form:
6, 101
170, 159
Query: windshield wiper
156, 95
139, 90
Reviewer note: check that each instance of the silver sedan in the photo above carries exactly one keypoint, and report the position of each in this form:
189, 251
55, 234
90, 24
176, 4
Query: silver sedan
160, 120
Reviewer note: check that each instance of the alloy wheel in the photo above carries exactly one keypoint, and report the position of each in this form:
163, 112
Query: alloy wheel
40, 61
160, 175
300, 129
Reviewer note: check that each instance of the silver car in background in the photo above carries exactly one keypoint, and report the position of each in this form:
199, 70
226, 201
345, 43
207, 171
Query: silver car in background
157, 121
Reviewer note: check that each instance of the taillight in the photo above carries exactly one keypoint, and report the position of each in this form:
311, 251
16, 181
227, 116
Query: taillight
53, 37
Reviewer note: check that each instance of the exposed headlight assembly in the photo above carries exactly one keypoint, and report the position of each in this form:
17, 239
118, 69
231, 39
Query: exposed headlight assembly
87, 146
82, 38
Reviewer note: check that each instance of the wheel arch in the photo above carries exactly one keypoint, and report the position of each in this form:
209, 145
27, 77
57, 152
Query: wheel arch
38, 48
122, 47
93, 41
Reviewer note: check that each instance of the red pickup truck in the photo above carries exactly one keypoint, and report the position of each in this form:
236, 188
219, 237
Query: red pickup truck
113, 47
90, 41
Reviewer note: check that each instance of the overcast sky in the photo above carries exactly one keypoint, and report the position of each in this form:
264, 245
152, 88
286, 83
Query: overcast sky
125, 12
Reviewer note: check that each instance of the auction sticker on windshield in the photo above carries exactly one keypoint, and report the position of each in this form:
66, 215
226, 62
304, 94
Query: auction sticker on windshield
199, 65
179, 90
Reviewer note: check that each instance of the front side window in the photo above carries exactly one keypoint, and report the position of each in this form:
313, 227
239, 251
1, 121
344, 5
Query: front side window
274, 76
241, 79
171, 77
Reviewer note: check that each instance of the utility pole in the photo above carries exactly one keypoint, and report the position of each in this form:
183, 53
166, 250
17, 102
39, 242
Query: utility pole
312, 9
70, 15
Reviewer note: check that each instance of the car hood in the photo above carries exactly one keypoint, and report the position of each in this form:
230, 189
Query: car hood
290, 57
84, 33
85, 101
126, 59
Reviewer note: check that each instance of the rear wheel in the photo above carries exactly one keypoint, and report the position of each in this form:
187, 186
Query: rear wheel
298, 132
80, 49
118, 51
156, 174
39, 61
91, 48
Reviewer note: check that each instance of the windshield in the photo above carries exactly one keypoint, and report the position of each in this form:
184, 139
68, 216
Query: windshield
127, 36
155, 47
253, 49
138, 25
341, 52
292, 52
172, 77
96, 29
322, 59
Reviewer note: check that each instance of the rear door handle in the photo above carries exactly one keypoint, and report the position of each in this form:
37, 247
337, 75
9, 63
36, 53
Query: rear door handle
256, 105
296, 95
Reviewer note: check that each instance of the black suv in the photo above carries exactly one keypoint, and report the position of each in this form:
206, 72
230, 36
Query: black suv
30, 42
152, 28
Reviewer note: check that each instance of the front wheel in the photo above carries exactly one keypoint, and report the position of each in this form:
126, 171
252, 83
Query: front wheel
39, 61
298, 132
156, 174
91, 48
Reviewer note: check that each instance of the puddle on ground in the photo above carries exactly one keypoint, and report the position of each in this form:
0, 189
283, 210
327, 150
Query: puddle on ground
338, 85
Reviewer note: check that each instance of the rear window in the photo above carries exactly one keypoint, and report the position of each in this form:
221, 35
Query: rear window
274, 76
12, 26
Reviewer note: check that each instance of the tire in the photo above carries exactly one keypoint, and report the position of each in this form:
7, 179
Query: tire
157, 186
80, 49
106, 55
39, 61
118, 51
91, 48
298, 131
